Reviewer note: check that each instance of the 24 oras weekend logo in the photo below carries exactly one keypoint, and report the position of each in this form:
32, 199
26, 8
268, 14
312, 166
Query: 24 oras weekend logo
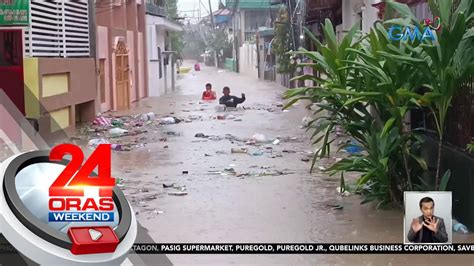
75, 196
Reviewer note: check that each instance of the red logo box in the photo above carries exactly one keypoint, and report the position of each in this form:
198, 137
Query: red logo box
92, 240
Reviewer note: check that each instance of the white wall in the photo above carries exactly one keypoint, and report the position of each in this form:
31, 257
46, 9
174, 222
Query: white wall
349, 13
248, 60
155, 38
369, 15
350, 10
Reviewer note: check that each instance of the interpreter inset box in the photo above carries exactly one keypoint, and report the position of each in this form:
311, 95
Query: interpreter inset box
428, 218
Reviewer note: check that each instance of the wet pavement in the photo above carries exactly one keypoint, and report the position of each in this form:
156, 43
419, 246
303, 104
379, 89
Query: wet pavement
268, 195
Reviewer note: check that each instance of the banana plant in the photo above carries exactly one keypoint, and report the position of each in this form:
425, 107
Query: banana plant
450, 60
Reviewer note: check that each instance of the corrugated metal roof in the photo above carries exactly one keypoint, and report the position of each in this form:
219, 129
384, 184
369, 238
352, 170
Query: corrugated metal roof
250, 4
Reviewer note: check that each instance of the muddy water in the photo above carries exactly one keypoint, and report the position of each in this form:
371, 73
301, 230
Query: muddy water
292, 207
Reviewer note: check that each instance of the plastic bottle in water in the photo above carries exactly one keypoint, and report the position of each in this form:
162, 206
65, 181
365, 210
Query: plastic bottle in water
459, 227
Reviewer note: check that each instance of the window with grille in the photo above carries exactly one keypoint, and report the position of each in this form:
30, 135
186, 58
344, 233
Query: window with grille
58, 29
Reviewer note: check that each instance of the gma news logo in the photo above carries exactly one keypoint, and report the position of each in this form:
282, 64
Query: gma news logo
399, 33
68, 201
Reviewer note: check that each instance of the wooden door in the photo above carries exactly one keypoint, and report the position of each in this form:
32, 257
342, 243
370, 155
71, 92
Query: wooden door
122, 77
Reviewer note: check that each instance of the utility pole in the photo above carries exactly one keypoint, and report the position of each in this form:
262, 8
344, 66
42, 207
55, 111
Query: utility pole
199, 12
212, 32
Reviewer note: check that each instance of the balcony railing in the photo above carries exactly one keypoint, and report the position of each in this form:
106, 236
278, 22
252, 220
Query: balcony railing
155, 10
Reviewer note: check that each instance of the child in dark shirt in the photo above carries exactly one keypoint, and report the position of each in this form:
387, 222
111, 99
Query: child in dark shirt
229, 100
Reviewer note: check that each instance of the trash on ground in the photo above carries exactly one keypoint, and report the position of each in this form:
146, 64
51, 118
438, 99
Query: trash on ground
276, 142
178, 193
117, 123
215, 138
305, 159
148, 116
336, 206
168, 185
279, 104
229, 169
258, 137
117, 132
214, 172
185, 172
322, 168
221, 117
459, 227
116, 147
257, 153
101, 121
266, 173
201, 135
238, 150
353, 148
250, 142
345, 193
96, 142
172, 133
168, 120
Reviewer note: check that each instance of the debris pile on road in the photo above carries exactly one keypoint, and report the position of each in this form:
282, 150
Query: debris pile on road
177, 189
122, 131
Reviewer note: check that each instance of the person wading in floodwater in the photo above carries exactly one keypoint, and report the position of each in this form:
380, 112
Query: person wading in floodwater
229, 100
209, 94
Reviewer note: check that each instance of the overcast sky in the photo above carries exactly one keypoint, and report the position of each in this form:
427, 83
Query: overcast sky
186, 7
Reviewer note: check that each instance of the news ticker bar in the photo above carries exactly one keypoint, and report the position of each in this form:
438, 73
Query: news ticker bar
304, 248
214, 248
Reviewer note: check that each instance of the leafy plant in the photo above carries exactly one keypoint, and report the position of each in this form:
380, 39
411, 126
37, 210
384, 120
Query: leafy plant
364, 90
447, 62
470, 147
217, 41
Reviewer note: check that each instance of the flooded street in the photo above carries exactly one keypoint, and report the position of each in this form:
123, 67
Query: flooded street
263, 196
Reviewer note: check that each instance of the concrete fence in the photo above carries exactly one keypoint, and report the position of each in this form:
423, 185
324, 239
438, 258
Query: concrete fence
248, 62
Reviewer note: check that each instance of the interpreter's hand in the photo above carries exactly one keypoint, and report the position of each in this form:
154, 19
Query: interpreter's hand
432, 224
416, 225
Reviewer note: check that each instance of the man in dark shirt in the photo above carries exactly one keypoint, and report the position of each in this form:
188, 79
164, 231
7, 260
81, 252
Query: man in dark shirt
229, 100
427, 228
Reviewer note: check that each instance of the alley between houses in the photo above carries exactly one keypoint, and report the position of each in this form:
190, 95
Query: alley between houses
188, 182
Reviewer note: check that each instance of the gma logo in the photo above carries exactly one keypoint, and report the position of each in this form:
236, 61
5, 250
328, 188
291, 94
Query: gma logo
397, 33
